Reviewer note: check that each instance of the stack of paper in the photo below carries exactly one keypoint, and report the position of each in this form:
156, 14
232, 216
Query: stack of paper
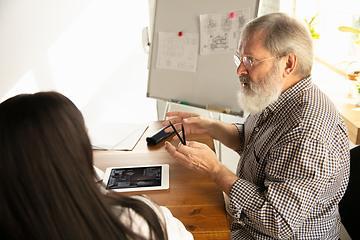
116, 136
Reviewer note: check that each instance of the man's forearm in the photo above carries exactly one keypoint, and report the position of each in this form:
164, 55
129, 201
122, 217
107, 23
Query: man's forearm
226, 133
224, 178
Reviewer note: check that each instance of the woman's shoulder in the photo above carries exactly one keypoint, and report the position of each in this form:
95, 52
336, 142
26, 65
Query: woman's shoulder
174, 227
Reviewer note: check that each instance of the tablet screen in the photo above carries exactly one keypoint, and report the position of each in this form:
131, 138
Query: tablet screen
135, 177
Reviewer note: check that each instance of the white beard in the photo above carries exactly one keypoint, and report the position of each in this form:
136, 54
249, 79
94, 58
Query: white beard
257, 97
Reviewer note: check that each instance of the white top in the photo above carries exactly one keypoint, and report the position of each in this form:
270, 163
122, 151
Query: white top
174, 227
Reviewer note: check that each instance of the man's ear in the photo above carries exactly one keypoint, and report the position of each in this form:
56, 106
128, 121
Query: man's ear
290, 64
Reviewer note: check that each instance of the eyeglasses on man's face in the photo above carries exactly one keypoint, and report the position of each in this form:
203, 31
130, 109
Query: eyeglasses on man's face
248, 61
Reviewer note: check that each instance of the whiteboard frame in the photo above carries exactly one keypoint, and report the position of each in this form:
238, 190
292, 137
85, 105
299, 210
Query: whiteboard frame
215, 82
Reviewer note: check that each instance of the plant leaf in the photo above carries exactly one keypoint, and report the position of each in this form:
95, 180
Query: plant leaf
349, 29
348, 63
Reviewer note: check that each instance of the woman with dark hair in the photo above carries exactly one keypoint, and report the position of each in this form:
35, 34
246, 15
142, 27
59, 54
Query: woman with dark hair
47, 188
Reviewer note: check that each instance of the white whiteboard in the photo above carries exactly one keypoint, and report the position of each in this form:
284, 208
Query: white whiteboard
215, 81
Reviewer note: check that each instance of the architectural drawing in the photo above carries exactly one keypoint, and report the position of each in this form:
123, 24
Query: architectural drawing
220, 32
177, 52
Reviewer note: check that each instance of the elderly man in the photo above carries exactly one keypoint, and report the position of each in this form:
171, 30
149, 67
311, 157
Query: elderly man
294, 151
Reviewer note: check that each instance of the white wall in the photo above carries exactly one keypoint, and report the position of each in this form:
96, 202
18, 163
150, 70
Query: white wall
89, 50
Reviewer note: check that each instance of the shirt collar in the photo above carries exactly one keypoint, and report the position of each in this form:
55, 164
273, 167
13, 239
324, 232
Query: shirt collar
289, 94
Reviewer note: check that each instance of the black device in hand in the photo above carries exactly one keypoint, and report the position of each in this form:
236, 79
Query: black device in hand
159, 136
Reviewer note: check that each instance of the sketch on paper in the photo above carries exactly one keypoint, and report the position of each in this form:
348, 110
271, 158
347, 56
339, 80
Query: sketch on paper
178, 52
220, 32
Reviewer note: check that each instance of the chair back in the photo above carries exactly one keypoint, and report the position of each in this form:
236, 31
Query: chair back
349, 206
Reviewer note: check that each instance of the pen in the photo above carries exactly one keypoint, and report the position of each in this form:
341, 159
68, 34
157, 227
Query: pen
182, 141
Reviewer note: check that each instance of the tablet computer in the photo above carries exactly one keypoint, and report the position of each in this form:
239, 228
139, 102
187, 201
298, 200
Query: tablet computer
137, 178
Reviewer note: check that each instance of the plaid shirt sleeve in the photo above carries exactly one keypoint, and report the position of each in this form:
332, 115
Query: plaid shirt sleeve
293, 170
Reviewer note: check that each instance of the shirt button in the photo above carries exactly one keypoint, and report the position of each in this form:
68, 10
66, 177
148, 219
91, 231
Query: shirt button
256, 129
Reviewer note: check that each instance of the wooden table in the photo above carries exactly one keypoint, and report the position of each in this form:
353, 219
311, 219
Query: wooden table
350, 112
192, 197
337, 88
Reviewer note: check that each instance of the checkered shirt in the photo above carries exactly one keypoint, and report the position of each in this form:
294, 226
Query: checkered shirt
293, 169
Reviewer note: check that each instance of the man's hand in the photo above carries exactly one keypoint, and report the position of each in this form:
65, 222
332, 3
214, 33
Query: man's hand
193, 123
194, 155
201, 158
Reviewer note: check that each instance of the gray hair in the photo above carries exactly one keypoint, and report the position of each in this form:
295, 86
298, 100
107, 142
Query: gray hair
284, 35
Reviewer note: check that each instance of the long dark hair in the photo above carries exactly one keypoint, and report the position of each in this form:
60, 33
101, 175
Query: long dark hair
47, 188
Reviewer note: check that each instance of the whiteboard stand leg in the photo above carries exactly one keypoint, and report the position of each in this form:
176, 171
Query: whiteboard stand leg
167, 109
220, 144
217, 144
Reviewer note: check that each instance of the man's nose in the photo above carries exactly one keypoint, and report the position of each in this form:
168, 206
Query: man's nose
241, 69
